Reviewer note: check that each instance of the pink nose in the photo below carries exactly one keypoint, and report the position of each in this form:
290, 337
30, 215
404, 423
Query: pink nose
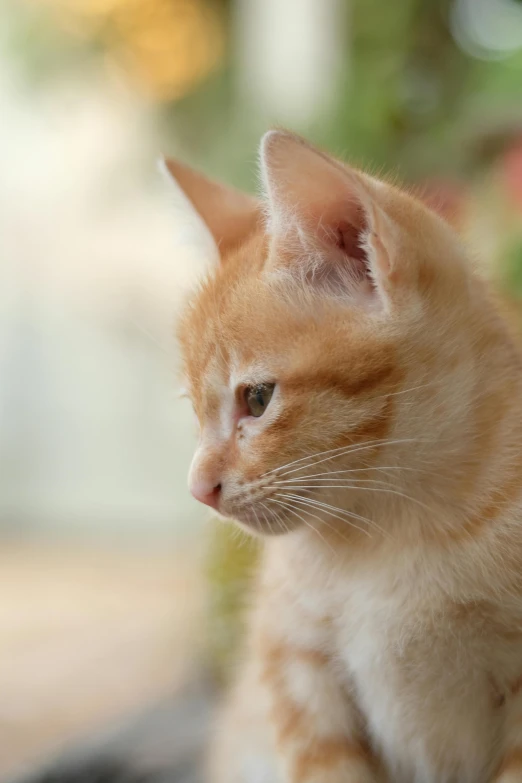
206, 494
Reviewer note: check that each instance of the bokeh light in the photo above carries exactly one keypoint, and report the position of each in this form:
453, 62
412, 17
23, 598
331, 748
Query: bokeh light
163, 47
488, 29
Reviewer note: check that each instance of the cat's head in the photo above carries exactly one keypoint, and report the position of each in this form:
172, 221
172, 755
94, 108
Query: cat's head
320, 354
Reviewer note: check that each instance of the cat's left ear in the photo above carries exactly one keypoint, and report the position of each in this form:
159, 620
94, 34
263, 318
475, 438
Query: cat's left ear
326, 222
229, 214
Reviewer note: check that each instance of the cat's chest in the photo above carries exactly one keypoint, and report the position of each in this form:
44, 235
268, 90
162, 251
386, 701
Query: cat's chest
404, 666
375, 623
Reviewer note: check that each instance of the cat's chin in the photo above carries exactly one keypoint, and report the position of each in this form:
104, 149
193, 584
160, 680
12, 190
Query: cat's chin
256, 525
260, 530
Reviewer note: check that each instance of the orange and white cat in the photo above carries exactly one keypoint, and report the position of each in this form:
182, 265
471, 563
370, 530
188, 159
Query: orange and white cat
360, 405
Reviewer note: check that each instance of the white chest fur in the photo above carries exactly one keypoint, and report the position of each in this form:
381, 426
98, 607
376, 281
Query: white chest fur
409, 647
419, 680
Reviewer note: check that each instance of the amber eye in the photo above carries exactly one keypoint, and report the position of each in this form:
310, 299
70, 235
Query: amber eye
258, 397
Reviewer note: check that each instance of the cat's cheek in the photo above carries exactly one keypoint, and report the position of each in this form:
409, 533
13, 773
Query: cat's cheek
249, 456
248, 427
248, 447
253, 447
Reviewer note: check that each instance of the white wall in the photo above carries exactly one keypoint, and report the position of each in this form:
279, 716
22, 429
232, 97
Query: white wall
94, 259
290, 54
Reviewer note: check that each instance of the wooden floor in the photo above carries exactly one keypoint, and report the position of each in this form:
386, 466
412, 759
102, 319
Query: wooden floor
89, 637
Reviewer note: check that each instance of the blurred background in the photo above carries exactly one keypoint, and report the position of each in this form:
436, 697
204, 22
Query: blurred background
110, 597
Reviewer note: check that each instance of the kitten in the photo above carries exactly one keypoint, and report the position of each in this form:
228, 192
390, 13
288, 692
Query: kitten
360, 406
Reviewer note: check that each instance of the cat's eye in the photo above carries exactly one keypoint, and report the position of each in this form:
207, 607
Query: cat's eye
257, 398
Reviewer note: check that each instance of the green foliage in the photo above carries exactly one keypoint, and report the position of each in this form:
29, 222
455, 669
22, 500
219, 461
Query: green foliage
35, 45
230, 571
512, 269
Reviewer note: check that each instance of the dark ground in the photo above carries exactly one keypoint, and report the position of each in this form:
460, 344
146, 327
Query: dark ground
164, 745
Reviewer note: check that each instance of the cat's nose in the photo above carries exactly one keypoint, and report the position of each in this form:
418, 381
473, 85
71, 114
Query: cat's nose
206, 493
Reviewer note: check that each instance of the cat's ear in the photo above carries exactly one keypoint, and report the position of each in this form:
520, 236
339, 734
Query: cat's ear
229, 214
325, 221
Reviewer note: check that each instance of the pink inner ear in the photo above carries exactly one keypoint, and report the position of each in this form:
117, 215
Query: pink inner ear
349, 240
350, 234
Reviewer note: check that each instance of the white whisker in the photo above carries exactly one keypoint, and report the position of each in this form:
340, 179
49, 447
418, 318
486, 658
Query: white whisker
317, 482
330, 510
339, 450
293, 511
356, 470
351, 514
352, 450
290, 505
412, 388
256, 516
280, 522
360, 488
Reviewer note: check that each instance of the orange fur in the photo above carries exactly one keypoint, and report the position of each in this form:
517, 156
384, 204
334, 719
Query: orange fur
385, 473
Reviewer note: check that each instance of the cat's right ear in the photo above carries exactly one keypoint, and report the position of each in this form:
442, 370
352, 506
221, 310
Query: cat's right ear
327, 223
230, 216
